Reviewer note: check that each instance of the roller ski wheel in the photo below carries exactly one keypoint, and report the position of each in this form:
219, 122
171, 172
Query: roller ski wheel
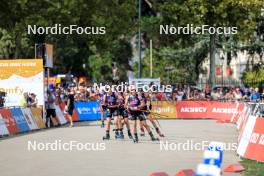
154, 139
135, 140
106, 138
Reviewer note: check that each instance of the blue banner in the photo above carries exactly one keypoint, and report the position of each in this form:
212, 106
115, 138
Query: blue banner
88, 110
20, 119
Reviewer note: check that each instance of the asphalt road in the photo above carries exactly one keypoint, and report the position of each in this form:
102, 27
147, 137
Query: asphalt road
114, 157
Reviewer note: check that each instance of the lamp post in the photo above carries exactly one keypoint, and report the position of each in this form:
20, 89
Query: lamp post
139, 38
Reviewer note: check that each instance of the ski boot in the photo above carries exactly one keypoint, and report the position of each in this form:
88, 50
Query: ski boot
136, 138
142, 132
106, 137
117, 135
159, 133
129, 134
121, 135
152, 137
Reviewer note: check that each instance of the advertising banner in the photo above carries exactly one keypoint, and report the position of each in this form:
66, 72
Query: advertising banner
60, 115
88, 110
30, 119
246, 134
37, 115
9, 120
20, 119
49, 55
3, 128
223, 110
208, 109
163, 109
19, 77
255, 148
192, 109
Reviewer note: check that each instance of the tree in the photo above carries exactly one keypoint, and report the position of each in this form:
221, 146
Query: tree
227, 13
71, 51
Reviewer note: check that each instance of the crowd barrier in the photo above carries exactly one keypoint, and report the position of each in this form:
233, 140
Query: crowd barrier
250, 127
18, 120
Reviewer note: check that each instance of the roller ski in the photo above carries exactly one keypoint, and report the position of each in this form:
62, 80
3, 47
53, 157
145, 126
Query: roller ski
159, 133
135, 140
119, 136
129, 135
142, 132
106, 137
152, 137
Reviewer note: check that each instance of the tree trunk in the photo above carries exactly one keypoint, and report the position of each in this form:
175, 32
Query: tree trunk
212, 60
18, 46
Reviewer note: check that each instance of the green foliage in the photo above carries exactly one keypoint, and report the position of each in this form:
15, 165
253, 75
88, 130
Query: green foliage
70, 51
184, 53
252, 167
254, 77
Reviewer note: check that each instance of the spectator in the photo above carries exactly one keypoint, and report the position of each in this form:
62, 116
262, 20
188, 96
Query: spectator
179, 96
70, 105
238, 95
23, 101
51, 110
229, 95
215, 95
34, 100
255, 96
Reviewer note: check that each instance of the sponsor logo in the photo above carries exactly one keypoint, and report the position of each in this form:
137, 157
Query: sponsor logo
163, 110
194, 109
257, 138
225, 110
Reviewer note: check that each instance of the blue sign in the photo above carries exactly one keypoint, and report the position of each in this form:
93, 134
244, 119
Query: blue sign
212, 160
20, 119
88, 110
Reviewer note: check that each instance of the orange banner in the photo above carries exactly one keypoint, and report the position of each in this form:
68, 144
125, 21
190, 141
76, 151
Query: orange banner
37, 115
166, 109
20, 67
209, 110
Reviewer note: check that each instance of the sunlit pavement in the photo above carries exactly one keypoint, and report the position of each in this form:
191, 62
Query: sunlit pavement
120, 158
